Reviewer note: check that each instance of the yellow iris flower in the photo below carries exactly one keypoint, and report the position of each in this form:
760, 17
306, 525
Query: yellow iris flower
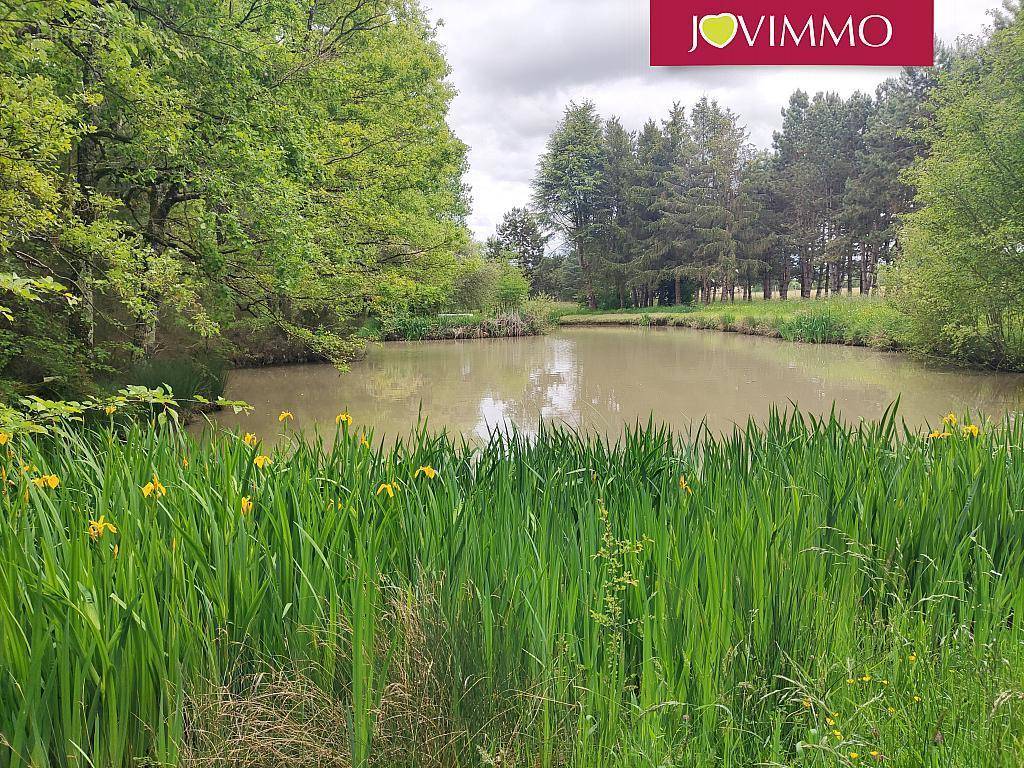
154, 488
46, 481
389, 488
97, 528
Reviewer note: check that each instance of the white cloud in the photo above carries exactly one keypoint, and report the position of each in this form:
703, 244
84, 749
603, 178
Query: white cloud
517, 63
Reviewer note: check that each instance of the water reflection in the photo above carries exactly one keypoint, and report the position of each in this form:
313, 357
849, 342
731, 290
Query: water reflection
603, 378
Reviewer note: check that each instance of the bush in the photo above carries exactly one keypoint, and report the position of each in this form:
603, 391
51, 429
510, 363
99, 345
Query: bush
186, 377
511, 289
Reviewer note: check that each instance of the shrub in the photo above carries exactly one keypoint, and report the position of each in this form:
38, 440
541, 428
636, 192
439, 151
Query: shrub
186, 377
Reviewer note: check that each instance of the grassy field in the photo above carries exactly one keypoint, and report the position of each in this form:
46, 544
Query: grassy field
798, 594
838, 320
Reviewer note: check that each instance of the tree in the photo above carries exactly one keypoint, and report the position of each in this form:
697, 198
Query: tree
960, 280
275, 164
567, 187
617, 229
520, 236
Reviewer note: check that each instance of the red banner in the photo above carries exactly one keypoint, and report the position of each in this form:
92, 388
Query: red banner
879, 33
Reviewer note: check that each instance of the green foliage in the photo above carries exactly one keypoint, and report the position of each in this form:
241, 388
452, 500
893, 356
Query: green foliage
961, 280
853, 321
568, 190
186, 377
519, 236
511, 289
204, 163
787, 595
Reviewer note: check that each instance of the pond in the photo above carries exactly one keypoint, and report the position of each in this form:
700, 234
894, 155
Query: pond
601, 379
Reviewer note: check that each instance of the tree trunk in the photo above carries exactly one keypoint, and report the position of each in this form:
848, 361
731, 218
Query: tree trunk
86, 157
805, 275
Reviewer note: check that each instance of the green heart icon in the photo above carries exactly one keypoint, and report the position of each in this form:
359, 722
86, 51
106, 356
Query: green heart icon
719, 30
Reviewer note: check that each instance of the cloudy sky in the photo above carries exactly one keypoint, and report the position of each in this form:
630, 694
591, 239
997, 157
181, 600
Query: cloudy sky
517, 63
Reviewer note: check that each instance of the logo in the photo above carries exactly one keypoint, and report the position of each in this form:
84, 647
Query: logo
797, 32
718, 30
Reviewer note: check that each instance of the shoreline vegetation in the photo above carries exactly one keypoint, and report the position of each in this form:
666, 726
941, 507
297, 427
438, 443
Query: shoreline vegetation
802, 593
851, 321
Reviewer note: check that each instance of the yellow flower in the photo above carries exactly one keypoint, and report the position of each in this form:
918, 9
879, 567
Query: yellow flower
184, 461
154, 488
971, 430
286, 416
892, 710
46, 481
875, 754
850, 681
363, 442
936, 435
866, 679
807, 703
110, 409
854, 756
685, 486
388, 488
246, 505
251, 440
830, 721
917, 699
950, 420
344, 418
838, 734
4, 438
97, 528
884, 682
912, 658
262, 461
429, 471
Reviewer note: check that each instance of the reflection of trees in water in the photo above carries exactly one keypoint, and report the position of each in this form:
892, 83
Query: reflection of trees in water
390, 382
602, 378
542, 384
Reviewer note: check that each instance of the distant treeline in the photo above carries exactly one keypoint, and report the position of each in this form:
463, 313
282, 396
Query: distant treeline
688, 205
918, 186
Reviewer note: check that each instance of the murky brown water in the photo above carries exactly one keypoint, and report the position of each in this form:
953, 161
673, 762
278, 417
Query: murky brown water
602, 378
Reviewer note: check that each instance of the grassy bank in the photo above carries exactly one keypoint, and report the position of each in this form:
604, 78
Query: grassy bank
503, 325
840, 320
794, 595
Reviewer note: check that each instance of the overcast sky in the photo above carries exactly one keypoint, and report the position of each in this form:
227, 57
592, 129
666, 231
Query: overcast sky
517, 63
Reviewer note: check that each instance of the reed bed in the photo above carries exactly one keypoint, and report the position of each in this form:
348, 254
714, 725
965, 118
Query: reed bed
801, 593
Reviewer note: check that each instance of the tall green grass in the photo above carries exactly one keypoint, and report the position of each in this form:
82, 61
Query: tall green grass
799, 594
838, 320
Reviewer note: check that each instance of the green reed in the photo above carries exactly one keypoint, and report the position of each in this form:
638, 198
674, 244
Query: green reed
802, 593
